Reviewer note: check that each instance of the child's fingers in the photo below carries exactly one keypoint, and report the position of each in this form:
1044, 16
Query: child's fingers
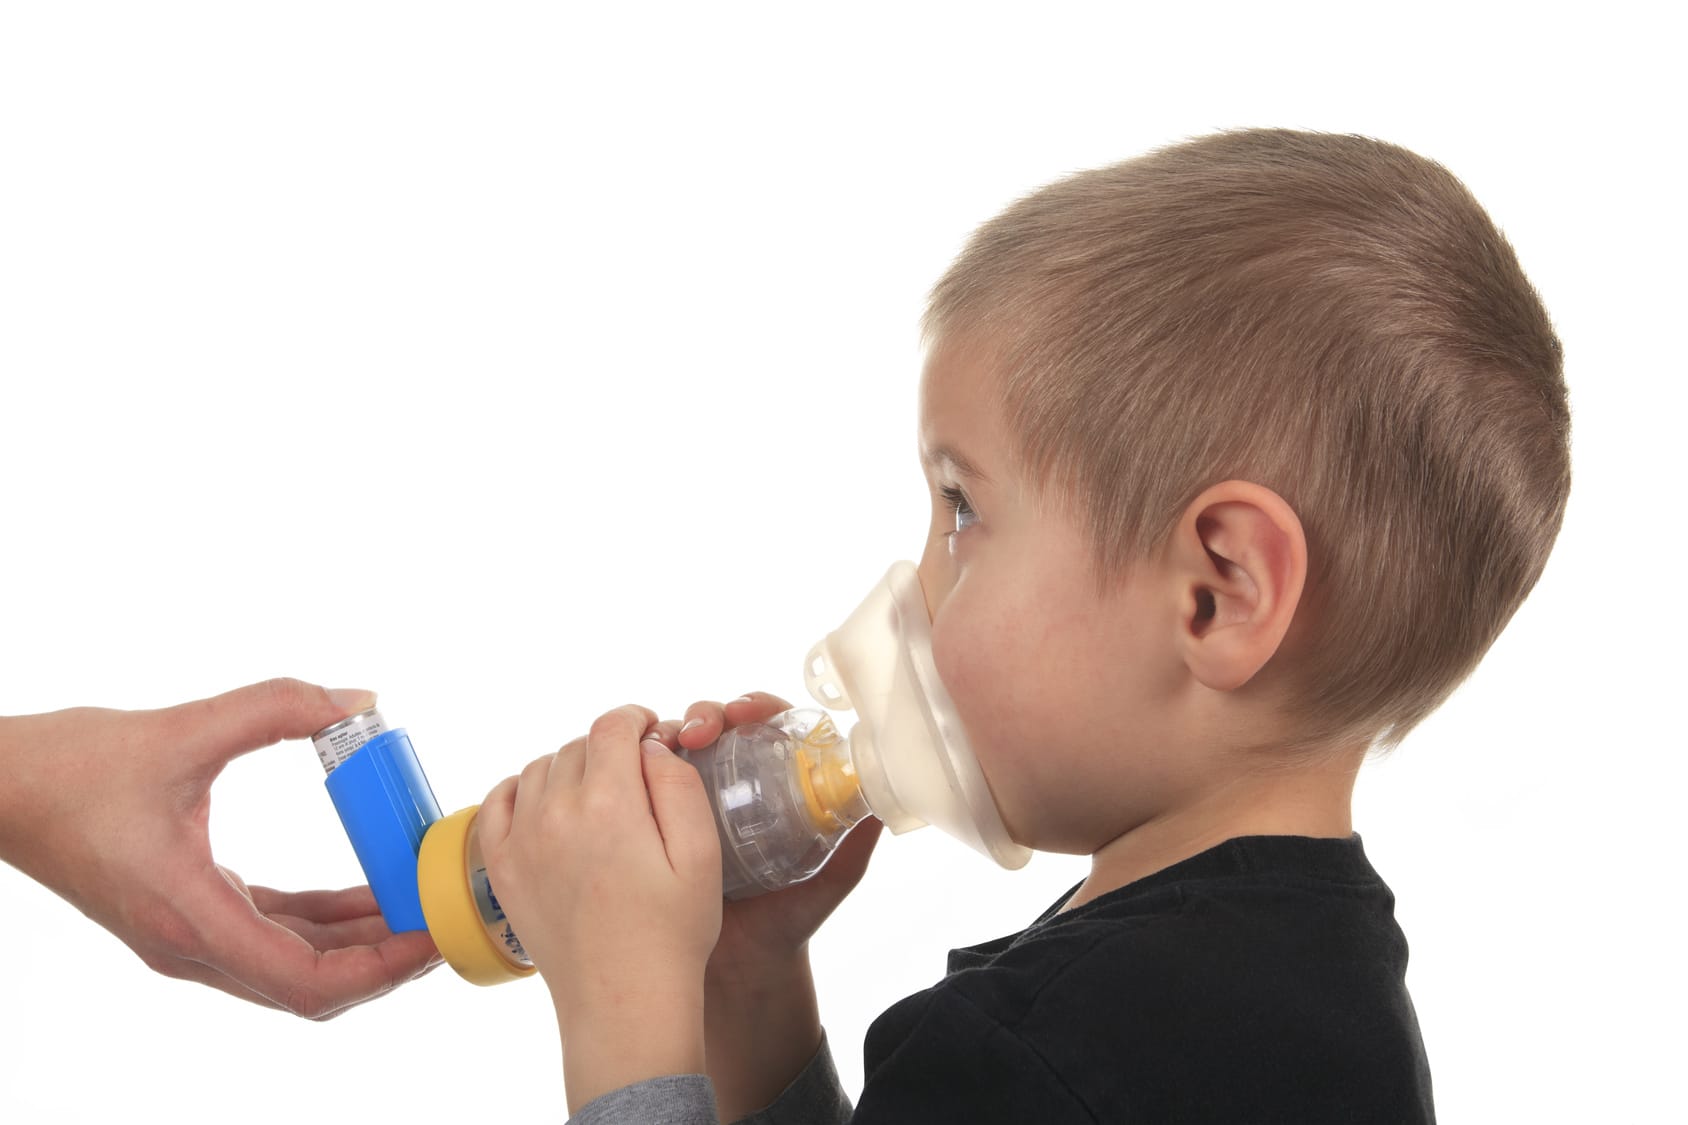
682, 813
755, 707
849, 862
492, 823
530, 790
568, 765
612, 755
666, 732
704, 723
706, 719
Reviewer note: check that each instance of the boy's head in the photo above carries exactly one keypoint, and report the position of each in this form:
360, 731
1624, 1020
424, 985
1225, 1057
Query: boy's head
1313, 350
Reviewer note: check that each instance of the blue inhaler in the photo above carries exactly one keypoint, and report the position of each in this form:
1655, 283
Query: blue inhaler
386, 806
783, 793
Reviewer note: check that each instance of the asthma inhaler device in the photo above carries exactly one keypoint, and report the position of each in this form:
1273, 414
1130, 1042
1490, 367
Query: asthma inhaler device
389, 812
784, 792
386, 806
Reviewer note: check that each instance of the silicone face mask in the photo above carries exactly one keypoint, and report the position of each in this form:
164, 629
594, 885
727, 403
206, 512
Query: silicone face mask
909, 749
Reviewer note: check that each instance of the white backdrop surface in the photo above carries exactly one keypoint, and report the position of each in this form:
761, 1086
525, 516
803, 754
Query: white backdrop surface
518, 361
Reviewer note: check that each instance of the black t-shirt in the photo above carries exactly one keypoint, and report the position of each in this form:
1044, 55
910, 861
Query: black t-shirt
1260, 981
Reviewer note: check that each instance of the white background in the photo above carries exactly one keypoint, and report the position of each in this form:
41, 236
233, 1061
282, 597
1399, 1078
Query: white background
518, 361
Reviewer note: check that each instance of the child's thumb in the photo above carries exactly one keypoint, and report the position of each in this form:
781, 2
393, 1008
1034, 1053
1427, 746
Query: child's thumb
215, 730
682, 812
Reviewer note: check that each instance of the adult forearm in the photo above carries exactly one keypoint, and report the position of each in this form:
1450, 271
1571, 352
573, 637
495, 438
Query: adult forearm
11, 792
24, 784
761, 1030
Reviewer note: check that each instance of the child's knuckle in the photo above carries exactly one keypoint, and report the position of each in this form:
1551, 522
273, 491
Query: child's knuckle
614, 725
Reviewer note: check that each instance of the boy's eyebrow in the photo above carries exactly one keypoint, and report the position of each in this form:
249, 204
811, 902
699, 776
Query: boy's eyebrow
945, 455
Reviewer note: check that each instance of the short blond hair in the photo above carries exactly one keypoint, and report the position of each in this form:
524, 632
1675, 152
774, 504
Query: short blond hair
1333, 317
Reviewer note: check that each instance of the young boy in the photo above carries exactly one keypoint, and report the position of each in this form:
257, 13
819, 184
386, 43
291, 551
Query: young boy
1241, 454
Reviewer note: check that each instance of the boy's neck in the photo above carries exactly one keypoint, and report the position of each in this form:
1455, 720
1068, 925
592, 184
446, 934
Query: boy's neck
1308, 800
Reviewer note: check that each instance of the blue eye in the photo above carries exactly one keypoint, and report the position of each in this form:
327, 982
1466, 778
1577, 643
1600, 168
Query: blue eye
965, 516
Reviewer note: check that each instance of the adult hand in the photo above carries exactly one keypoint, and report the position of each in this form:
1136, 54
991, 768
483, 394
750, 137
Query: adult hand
606, 861
110, 810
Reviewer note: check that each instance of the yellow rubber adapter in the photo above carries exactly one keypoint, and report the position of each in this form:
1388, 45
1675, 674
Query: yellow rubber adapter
448, 904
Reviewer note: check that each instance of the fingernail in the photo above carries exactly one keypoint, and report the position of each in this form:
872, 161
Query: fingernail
351, 699
652, 746
741, 699
690, 723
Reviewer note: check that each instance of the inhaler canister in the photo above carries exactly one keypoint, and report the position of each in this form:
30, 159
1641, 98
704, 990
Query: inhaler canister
425, 869
386, 805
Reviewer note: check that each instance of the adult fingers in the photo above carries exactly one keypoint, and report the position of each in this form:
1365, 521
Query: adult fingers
345, 977
326, 919
370, 929
212, 731
264, 956
318, 906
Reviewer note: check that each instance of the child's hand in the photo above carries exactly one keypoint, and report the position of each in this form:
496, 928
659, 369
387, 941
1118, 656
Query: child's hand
606, 861
762, 1019
775, 927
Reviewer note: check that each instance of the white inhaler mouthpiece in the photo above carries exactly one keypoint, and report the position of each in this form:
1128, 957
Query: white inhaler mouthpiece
908, 748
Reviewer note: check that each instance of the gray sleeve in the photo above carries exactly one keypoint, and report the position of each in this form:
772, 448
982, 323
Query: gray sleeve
675, 1099
815, 1097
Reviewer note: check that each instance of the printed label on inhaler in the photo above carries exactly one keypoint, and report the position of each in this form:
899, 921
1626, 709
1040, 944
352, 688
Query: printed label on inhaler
337, 743
492, 914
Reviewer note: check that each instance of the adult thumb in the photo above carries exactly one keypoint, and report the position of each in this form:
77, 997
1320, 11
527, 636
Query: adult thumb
213, 731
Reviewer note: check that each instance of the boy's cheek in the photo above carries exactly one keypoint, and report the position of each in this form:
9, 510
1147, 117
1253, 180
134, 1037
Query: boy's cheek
969, 659
956, 656
989, 699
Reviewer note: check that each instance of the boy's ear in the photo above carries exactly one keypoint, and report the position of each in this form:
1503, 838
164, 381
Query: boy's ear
1240, 557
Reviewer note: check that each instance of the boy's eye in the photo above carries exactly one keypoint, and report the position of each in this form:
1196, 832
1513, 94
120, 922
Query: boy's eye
956, 500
